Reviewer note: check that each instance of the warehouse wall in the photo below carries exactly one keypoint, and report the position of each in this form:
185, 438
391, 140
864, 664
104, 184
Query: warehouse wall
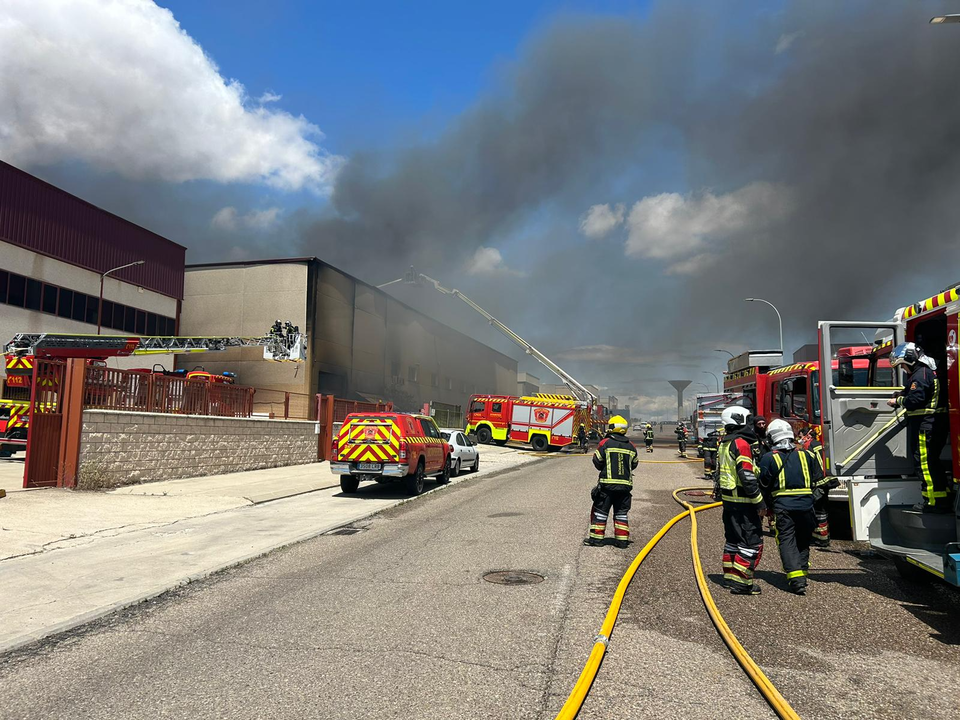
245, 301
362, 342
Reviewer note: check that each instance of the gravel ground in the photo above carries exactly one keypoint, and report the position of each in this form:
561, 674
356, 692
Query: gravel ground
394, 621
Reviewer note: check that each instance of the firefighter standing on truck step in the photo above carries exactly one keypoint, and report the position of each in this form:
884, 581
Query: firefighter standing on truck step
648, 438
927, 424
789, 478
743, 505
616, 458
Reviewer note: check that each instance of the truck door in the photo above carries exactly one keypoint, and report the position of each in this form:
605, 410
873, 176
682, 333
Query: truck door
862, 435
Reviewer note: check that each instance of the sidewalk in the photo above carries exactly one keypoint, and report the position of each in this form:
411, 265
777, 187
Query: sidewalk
69, 557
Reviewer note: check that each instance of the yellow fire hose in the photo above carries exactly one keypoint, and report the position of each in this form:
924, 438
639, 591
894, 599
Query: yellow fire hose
571, 707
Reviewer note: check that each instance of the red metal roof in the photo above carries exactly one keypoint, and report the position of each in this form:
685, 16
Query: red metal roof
51, 221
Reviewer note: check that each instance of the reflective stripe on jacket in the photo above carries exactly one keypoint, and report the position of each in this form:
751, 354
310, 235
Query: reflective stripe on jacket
738, 474
616, 458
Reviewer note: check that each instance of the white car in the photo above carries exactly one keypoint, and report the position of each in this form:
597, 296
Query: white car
465, 455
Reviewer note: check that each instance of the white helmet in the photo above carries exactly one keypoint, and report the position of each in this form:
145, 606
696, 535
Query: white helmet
779, 430
734, 415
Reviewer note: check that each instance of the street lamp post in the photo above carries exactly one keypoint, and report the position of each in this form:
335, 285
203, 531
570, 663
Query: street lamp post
707, 372
727, 352
102, 277
779, 319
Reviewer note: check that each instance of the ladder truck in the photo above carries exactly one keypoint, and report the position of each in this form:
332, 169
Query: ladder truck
282, 343
579, 392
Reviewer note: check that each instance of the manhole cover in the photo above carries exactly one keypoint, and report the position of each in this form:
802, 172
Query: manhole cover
505, 514
345, 531
513, 577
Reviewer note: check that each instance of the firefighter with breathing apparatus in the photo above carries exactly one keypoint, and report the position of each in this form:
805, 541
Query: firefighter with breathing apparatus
790, 479
710, 444
681, 439
927, 424
743, 505
616, 458
648, 438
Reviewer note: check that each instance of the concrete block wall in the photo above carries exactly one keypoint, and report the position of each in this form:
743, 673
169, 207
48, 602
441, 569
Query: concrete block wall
122, 448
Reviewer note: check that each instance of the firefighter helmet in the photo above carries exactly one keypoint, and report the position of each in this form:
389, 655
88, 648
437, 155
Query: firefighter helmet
779, 430
904, 354
735, 416
618, 424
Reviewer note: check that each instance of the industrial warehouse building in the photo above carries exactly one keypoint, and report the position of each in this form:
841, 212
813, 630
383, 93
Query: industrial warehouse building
54, 247
363, 343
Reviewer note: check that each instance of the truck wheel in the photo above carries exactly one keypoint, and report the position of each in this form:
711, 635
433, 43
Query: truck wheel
414, 482
444, 477
484, 435
349, 483
501, 443
539, 443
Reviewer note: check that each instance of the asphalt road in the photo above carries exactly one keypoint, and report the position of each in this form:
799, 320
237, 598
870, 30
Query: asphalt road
395, 621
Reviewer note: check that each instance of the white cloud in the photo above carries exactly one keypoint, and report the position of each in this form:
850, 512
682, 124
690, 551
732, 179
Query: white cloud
122, 86
269, 97
599, 220
261, 220
680, 228
785, 42
489, 261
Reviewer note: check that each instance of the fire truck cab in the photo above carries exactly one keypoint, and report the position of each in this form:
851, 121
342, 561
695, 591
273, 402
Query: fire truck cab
546, 422
865, 440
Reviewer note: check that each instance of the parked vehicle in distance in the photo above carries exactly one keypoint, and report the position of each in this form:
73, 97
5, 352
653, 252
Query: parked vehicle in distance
390, 447
464, 453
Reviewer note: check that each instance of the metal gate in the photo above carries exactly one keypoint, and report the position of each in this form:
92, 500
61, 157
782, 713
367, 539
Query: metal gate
46, 422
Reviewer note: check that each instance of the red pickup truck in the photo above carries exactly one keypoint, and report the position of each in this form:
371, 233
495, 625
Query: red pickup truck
390, 447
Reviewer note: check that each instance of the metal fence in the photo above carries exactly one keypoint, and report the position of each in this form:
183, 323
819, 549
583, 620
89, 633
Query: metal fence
114, 389
446, 415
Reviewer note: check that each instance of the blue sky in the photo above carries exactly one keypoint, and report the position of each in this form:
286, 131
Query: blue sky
371, 73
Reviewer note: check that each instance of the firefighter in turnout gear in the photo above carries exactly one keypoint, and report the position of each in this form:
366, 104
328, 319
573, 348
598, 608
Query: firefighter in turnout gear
821, 533
789, 478
927, 424
616, 458
582, 438
710, 444
681, 439
648, 438
743, 505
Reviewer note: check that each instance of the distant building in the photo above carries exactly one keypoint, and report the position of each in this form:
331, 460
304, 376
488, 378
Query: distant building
54, 248
363, 343
807, 353
613, 403
527, 384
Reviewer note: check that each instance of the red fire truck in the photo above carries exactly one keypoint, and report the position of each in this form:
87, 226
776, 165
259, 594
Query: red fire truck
547, 422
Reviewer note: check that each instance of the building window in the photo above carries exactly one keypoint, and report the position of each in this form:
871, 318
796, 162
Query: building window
34, 294
449, 383
79, 312
434, 379
93, 309
65, 303
395, 368
50, 298
413, 374
18, 288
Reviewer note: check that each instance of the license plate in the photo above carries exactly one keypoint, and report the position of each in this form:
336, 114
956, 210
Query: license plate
368, 466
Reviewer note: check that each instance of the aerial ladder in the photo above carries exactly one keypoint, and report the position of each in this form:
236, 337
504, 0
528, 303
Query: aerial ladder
578, 390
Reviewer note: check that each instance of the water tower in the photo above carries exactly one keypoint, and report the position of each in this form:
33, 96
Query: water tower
679, 386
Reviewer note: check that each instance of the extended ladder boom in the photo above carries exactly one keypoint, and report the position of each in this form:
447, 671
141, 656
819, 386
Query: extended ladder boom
579, 390
284, 342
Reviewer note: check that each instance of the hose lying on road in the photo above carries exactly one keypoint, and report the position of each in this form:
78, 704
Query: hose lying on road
571, 708
770, 693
